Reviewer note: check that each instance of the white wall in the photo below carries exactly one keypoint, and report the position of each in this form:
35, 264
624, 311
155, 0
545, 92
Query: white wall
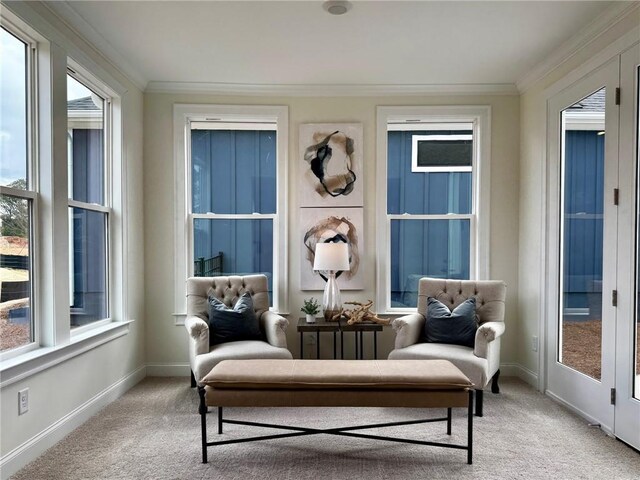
71, 390
167, 347
532, 190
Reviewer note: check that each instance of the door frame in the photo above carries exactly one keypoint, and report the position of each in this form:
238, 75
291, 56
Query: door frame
627, 408
587, 396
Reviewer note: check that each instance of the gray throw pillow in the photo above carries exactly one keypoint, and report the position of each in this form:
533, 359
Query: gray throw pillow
457, 327
231, 325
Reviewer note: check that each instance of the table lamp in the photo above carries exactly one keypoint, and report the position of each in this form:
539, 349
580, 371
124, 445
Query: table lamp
331, 258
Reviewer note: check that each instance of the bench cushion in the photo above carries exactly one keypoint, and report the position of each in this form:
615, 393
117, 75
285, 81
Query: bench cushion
337, 374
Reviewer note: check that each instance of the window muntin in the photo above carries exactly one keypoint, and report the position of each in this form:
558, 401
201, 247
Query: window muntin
89, 210
18, 194
234, 199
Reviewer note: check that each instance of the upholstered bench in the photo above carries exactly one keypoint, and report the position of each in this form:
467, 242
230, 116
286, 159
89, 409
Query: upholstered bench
336, 383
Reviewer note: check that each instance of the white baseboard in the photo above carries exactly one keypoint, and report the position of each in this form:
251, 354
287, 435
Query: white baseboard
517, 370
36, 445
168, 370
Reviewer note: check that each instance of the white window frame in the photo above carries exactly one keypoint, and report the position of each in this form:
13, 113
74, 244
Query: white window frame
83, 77
414, 118
230, 116
55, 343
31, 193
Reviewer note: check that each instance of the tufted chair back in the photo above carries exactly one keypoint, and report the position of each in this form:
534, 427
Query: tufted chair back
490, 296
228, 290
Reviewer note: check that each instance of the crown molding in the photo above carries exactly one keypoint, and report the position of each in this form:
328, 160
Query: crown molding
75, 22
604, 22
309, 90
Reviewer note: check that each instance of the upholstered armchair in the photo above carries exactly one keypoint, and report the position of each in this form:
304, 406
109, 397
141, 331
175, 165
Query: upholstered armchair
480, 363
202, 356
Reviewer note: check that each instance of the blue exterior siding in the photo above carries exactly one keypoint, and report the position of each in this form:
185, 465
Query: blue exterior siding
234, 172
436, 248
583, 209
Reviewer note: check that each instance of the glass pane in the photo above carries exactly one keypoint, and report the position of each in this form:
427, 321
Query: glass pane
88, 240
13, 111
233, 247
412, 189
580, 344
16, 326
420, 248
85, 137
233, 171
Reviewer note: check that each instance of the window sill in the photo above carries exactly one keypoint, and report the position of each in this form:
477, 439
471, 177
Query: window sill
34, 361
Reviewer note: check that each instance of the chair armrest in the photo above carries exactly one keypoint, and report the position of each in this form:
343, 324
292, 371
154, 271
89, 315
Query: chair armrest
486, 334
408, 329
274, 327
198, 334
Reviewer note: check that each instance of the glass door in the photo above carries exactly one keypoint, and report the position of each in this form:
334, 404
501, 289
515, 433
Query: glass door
627, 388
583, 152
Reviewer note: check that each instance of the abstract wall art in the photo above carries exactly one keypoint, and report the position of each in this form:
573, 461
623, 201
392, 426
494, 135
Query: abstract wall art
331, 225
331, 165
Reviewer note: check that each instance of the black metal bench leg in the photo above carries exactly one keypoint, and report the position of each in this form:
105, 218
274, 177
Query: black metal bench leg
449, 421
479, 395
470, 427
193, 380
202, 410
495, 388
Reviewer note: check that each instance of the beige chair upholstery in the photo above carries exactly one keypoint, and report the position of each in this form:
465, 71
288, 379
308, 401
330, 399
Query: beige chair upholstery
203, 357
481, 363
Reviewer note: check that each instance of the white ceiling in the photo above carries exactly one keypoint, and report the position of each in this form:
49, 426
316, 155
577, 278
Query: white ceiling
376, 43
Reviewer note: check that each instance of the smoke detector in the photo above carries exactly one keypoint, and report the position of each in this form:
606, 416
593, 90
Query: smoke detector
337, 7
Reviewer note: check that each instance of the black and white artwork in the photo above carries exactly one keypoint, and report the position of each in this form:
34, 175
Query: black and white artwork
322, 225
331, 165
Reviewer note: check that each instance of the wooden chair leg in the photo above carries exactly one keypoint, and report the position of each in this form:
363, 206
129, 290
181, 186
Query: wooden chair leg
495, 388
479, 403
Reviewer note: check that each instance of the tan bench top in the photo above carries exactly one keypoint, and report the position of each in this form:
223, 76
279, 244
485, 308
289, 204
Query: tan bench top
337, 374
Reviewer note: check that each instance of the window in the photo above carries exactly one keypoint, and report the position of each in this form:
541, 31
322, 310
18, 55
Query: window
431, 162
88, 154
18, 192
232, 161
63, 246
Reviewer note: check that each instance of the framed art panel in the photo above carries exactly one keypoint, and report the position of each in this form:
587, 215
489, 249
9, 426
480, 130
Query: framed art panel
319, 225
331, 165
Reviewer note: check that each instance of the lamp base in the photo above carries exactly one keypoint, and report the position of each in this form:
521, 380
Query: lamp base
331, 303
330, 314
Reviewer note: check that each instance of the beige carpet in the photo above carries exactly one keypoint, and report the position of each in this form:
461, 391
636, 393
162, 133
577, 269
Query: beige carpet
153, 432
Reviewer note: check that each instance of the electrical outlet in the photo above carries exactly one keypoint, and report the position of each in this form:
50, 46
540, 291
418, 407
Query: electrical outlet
23, 401
534, 343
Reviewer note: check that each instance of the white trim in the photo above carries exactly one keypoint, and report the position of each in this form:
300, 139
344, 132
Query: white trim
172, 369
314, 90
36, 445
38, 15
65, 13
183, 116
517, 370
593, 121
480, 117
231, 125
94, 207
18, 368
603, 23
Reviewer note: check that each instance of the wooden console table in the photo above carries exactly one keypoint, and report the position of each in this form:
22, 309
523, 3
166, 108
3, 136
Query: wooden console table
341, 327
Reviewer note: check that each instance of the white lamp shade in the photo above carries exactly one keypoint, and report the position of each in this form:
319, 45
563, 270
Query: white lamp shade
331, 256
